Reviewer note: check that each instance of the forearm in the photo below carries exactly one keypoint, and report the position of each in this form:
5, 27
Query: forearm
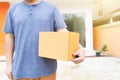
9, 48
62, 30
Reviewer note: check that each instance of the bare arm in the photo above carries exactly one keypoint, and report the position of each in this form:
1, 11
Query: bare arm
62, 30
79, 54
9, 50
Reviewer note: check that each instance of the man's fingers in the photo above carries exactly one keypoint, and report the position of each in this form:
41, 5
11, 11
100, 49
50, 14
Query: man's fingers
76, 53
10, 76
78, 60
79, 56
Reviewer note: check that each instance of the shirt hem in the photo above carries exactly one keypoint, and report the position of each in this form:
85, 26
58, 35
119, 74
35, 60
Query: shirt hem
35, 76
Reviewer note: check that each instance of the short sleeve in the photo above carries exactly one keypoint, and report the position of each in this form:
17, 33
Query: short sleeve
59, 22
8, 27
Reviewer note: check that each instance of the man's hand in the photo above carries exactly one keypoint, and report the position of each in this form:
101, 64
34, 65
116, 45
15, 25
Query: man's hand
9, 50
79, 56
9, 72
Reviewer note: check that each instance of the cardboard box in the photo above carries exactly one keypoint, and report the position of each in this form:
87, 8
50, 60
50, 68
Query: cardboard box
58, 45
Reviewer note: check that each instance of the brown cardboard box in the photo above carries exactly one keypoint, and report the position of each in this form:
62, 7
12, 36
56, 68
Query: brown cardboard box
58, 45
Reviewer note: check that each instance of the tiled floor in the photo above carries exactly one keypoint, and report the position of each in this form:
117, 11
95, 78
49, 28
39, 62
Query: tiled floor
96, 68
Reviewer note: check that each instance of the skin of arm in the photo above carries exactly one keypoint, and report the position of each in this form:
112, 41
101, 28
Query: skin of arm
79, 54
9, 50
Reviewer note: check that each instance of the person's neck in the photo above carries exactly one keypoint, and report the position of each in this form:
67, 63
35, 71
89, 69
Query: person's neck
32, 2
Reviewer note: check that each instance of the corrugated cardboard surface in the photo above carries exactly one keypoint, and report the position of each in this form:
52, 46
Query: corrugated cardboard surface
58, 45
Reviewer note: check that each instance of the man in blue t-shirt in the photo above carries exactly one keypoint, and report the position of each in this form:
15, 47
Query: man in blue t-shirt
23, 23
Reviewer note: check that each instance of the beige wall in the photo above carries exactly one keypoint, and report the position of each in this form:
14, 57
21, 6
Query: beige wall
97, 5
110, 35
110, 5
64, 5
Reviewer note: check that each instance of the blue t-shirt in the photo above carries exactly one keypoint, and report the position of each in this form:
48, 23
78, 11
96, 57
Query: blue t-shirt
25, 22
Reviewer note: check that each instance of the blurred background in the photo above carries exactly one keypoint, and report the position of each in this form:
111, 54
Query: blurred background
98, 23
